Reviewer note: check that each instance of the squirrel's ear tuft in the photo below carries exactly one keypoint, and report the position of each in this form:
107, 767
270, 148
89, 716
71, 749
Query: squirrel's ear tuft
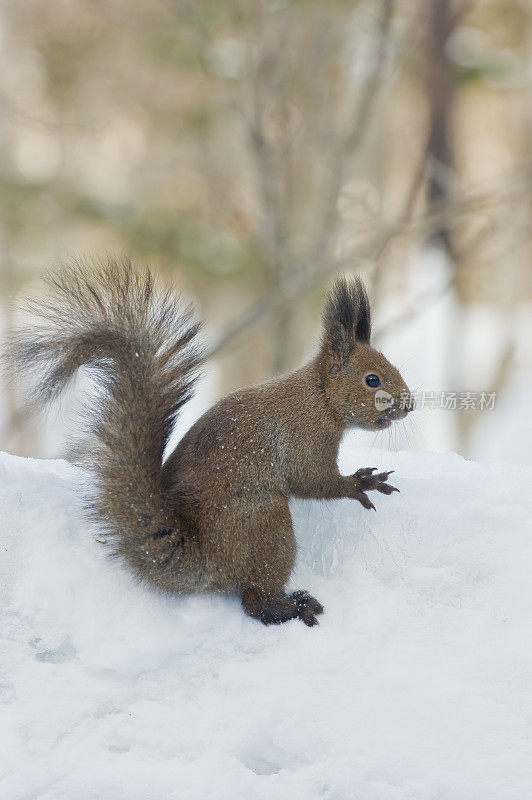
346, 319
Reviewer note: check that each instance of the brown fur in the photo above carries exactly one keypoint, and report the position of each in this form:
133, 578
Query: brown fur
215, 515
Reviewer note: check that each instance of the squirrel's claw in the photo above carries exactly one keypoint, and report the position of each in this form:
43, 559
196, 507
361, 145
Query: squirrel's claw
368, 481
365, 472
364, 500
383, 476
386, 488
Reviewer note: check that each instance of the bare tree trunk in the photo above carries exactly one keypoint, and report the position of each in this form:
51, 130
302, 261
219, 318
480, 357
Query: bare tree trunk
13, 429
440, 91
440, 95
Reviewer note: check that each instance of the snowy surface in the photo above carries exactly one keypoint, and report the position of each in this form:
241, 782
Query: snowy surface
415, 686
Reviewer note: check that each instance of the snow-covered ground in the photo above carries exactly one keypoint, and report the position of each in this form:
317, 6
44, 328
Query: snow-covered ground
415, 686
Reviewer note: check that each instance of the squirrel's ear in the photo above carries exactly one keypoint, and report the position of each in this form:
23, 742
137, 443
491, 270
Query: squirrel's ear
363, 314
338, 347
346, 320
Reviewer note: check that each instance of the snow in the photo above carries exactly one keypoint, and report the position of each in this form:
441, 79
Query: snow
416, 684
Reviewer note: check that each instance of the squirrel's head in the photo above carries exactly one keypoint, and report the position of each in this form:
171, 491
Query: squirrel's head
363, 389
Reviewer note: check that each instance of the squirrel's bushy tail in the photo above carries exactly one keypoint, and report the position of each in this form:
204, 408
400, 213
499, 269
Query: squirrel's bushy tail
140, 344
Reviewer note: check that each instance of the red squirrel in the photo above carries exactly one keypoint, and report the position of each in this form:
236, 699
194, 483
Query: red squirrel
213, 516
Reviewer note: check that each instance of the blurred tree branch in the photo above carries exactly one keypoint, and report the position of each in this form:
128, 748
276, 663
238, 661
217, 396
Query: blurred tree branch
446, 212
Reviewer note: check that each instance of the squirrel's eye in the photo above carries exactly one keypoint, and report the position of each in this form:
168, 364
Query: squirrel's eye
373, 381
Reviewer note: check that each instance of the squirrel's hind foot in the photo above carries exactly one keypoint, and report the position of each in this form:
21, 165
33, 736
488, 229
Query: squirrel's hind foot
308, 607
276, 609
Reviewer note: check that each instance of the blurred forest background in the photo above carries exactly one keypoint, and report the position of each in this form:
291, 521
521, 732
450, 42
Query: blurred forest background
250, 149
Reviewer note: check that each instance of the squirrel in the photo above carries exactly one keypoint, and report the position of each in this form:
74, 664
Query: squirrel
213, 515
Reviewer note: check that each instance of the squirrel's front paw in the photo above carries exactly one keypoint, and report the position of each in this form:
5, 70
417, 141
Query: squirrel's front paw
367, 481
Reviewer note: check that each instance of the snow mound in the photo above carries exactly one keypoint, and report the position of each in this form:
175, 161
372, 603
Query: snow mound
416, 684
